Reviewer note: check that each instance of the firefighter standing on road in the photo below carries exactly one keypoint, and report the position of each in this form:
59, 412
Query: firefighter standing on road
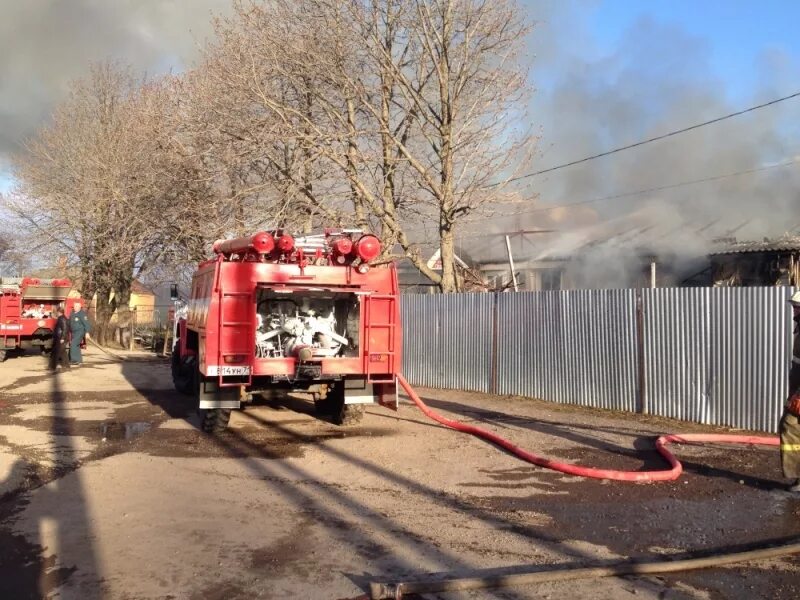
80, 327
58, 355
790, 421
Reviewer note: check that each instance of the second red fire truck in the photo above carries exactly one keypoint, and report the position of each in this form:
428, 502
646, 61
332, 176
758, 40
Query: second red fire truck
28, 312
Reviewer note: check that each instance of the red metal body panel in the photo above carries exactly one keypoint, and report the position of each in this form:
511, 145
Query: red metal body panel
18, 303
222, 312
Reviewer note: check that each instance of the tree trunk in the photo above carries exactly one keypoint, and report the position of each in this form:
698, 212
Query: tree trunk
103, 330
124, 328
352, 153
449, 282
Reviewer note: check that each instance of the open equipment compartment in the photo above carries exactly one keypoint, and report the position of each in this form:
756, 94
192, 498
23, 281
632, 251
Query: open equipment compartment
310, 324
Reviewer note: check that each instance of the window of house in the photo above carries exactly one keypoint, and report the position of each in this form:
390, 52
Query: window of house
550, 279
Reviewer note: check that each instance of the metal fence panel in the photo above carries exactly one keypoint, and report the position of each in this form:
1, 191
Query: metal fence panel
576, 347
447, 340
718, 356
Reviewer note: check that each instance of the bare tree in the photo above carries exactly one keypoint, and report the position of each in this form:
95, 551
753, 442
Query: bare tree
382, 114
467, 100
265, 162
107, 185
412, 109
15, 254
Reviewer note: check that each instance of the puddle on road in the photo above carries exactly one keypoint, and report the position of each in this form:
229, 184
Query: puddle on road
114, 430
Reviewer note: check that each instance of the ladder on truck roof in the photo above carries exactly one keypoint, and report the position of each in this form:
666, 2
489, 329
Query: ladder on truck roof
390, 327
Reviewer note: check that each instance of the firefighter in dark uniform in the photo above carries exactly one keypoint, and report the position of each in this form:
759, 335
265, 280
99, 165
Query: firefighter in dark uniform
790, 421
58, 355
79, 327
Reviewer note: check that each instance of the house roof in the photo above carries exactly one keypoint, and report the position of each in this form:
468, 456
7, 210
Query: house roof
782, 244
137, 287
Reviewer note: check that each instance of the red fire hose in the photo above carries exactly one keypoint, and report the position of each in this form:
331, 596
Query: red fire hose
661, 445
395, 591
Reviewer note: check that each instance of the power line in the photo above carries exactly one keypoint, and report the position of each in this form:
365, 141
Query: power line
657, 189
647, 141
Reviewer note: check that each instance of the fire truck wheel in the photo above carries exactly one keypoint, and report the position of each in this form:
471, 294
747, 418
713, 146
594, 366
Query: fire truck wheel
183, 373
348, 414
215, 420
2, 355
341, 413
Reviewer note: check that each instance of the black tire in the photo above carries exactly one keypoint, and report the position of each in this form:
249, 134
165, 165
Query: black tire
183, 371
341, 413
215, 420
348, 414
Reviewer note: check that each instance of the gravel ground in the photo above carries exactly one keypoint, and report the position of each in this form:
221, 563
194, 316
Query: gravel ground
108, 490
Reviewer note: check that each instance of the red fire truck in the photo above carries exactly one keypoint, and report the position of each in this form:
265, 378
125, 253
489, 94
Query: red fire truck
28, 312
271, 311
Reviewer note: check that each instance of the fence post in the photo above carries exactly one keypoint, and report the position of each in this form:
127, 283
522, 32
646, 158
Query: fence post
167, 333
133, 328
494, 358
640, 370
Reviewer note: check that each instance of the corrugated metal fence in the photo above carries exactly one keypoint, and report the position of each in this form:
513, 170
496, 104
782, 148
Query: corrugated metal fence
447, 340
711, 355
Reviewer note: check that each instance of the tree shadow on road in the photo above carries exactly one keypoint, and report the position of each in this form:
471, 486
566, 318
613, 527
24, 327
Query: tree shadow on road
367, 533
32, 569
371, 534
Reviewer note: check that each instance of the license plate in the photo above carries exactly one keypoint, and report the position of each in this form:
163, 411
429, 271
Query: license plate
234, 371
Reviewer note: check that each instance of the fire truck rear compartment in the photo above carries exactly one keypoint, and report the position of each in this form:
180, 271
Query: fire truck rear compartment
308, 325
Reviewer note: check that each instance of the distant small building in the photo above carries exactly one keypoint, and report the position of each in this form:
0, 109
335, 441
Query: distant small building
142, 297
764, 263
625, 255
532, 275
412, 281
595, 267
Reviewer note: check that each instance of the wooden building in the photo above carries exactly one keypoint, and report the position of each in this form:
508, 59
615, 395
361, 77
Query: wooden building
769, 262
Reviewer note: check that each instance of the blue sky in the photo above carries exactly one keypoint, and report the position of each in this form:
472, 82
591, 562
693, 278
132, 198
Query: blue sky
741, 38
740, 34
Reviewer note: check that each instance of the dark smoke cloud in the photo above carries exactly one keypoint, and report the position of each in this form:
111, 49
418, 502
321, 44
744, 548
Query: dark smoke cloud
657, 79
46, 43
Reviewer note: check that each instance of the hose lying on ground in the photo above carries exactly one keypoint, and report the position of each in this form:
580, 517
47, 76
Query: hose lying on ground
661, 445
380, 591
104, 350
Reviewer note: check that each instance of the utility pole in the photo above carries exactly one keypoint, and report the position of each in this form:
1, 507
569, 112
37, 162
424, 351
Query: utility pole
511, 263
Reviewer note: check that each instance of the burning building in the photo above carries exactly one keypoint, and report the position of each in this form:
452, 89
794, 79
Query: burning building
768, 262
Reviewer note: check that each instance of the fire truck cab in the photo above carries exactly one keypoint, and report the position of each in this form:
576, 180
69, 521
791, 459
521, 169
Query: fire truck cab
271, 311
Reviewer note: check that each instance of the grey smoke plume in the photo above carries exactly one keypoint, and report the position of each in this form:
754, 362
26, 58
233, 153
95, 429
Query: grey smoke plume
658, 79
46, 43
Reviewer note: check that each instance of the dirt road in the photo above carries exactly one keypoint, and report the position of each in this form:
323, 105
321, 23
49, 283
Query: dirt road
110, 491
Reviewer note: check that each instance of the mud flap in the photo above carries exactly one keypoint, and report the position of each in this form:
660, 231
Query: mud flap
359, 391
212, 396
386, 394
